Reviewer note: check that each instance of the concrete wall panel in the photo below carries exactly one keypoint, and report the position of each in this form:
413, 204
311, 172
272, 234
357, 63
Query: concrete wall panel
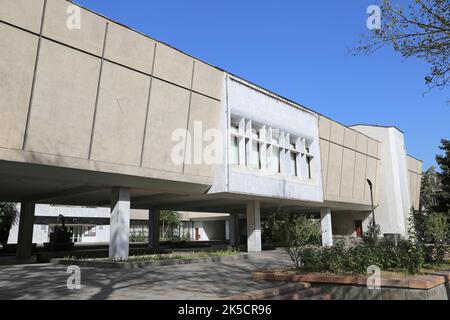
324, 153
208, 80
372, 149
204, 111
64, 100
129, 48
350, 138
121, 111
360, 176
324, 128
371, 173
334, 170
414, 178
173, 66
337, 133
17, 56
89, 37
168, 111
348, 173
362, 143
26, 14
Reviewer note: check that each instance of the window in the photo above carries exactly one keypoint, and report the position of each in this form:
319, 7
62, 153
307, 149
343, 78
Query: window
234, 153
269, 149
293, 164
309, 159
255, 161
234, 148
308, 163
275, 160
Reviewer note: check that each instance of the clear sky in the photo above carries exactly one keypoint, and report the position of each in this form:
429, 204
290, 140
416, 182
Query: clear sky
299, 49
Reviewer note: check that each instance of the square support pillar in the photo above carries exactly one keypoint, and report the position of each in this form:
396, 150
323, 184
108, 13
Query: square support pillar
325, 224
234, 230
153, 229
120, 224
25, 235
253, 226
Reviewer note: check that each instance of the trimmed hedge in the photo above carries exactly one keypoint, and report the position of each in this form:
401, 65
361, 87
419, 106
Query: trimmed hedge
406, 256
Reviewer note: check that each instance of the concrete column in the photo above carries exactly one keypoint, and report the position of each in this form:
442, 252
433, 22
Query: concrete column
120, 223
253, 226
25, 235
325, 224
153, 229
234, 230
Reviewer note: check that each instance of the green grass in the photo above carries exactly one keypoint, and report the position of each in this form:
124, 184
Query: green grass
171, 256
190, 255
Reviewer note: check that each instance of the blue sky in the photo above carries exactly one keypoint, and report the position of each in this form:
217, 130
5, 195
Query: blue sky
299, 49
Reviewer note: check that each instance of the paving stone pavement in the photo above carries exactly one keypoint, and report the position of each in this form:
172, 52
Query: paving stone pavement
179, 282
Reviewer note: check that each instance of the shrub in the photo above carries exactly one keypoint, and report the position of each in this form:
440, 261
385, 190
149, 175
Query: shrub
301, 237
297, 232
406, 256
139, 237
411, 256
370, 237
335, 259
8, 216
436, 231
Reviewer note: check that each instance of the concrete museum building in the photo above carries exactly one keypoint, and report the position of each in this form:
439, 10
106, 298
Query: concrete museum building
99, 115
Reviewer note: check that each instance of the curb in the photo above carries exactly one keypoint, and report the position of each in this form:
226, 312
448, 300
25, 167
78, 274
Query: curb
269, 292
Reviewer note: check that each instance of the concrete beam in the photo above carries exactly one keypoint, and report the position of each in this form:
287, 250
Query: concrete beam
49, 197
153, 229
253, 226
120, 223
325, 224
25, 236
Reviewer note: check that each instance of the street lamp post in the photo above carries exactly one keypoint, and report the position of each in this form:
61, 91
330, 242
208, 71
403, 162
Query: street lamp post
371, 200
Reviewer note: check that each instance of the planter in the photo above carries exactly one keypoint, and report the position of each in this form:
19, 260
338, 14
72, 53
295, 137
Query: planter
59, 246
143, 264
354, 287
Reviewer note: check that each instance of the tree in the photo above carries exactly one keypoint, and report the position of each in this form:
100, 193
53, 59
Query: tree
427, 193
8, 216
436, 231
372, 234
169, 218
426, 202
298, 232
422, 30
443, 197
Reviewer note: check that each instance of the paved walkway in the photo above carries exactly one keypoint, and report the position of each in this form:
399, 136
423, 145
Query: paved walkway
180, 282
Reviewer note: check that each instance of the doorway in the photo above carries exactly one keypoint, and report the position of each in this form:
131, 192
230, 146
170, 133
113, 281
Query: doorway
197, 234
358, 228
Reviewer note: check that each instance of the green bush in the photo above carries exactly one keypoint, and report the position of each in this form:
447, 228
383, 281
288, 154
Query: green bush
139, 237
436, 231
298, 232
406, 256
8, 216
302, 236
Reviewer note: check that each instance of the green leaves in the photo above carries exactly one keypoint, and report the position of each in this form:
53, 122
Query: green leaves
170, 217
8, 216
420, 30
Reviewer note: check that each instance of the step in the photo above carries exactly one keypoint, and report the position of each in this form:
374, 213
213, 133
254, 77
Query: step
322, 296
271, 292
304, 294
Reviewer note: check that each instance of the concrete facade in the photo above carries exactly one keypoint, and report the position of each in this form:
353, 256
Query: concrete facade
397, 181
104, 108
